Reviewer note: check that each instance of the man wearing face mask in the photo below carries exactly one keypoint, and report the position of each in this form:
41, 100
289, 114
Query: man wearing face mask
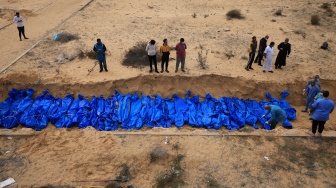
165, 51
180, 54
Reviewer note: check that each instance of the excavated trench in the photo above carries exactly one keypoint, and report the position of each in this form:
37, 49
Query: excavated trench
166, 86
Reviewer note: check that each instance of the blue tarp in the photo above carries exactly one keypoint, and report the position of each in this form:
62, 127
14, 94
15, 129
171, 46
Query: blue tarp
133, 111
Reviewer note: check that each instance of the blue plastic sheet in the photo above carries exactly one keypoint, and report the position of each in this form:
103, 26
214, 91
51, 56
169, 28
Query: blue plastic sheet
133, 111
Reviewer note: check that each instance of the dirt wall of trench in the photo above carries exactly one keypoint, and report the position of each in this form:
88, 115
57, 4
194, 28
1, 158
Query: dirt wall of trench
166, 86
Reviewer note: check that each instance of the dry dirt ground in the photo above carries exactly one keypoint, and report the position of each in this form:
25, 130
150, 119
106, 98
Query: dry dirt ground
74, 157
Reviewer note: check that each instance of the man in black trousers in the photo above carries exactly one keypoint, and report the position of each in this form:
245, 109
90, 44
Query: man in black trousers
262, 47
19, 23
284, 51
253, 47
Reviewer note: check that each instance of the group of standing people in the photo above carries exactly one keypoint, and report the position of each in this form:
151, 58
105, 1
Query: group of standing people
152, 50
267, 52
319, 105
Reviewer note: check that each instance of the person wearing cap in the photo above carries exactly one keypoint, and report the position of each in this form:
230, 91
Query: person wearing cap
19, 23
253, 47
284, 51
180, 54
262, 47
278, 115
322, 109
268, 53
165, 51
151, 49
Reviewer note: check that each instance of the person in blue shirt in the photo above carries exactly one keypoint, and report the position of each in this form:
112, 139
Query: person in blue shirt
312, 90
322, 109
100, 49
278, 115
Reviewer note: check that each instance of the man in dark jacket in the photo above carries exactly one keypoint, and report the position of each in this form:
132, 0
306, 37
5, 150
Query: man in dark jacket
100, 49
284, 51
262, 47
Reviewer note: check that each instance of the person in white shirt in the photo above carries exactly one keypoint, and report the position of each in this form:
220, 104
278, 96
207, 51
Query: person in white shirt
19, 23
268, 53
151, 49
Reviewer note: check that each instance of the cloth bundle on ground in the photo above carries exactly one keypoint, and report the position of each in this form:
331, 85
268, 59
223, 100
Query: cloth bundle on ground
135, 111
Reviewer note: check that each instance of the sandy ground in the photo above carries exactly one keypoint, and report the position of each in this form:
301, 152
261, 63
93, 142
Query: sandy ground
120, 25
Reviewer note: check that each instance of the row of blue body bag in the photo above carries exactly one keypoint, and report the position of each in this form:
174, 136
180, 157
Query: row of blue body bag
133, 111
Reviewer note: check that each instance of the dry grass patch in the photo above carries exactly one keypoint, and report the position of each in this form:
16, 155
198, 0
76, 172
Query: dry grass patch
211, 182
278, 12
235, 13
300, 32
315, 20
157, 153
202, 57
137, 57
64, 37
174, 177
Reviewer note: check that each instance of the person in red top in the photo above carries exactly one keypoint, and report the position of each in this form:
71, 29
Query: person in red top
180, 54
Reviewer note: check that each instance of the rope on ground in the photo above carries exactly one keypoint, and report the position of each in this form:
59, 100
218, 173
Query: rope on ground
90, 70
12, 63
215, 133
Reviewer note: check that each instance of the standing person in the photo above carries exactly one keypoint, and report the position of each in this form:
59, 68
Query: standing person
322, 108
19, 23
100, 49
180, 54
278, 115
165, 51
317, 97
284, 51
312, 90
262, 47
268, 53
253, 47
151, 49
